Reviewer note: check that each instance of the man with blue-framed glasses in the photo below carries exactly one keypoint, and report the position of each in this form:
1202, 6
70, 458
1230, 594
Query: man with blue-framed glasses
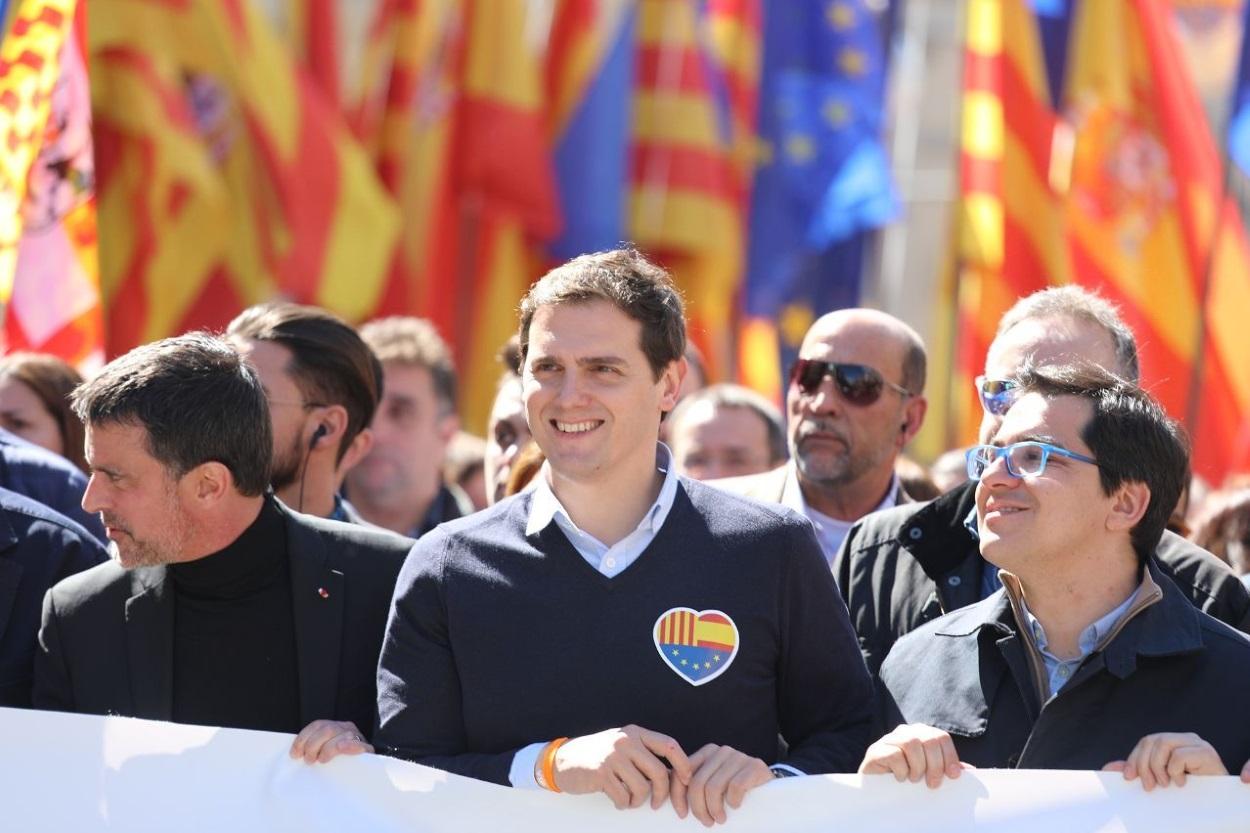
1088, 656
908, 565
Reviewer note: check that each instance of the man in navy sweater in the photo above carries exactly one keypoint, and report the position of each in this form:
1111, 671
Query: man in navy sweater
690, 643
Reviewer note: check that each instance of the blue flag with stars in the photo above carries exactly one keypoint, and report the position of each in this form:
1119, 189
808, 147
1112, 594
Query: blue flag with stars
824, 179
1239, 115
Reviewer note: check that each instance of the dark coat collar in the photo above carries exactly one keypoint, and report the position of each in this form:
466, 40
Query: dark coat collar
317, 598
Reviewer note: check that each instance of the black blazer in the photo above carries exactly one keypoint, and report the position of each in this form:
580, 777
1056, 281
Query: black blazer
38, 548
106, 645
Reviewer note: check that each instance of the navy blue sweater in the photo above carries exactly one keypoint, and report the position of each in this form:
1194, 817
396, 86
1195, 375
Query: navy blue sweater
497, 640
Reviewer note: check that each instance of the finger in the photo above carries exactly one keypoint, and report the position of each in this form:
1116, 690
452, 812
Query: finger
653, 769
665, 747
1245, 773
698, 788
913, 753
635, 782
950, 755
1177, 764
1115, 766
728, 761
317, 738
747, 778
1140, 759
883, 757
614, 789
344, 744
677, 795
1165, 748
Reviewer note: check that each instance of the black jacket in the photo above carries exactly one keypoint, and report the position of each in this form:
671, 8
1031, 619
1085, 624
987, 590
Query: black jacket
38, 548
905, 566
1170, 668
106, 645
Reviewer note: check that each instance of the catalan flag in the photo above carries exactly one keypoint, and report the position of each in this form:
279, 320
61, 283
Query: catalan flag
49, 274
224, 178
693, 113
1150, 224
1010, 239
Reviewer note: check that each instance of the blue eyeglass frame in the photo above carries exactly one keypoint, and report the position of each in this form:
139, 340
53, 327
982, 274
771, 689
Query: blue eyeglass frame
1004, 451
1001, 400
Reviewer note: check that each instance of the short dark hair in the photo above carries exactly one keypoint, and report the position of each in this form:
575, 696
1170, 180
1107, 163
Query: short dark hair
634, 285
198, 401
1130, 436
727, 395
407, 340
330, 364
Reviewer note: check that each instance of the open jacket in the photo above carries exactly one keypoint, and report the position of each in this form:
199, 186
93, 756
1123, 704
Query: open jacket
905, 566
106, 645
1168, 668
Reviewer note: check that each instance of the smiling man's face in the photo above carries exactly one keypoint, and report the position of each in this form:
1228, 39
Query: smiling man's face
591, 398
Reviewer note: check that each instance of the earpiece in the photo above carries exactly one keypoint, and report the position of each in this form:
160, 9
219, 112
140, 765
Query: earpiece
321, 431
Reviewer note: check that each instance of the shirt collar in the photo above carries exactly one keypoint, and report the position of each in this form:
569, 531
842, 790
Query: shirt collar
545, 506
792, 495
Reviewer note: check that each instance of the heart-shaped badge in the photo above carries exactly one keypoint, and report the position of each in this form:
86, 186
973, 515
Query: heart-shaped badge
698, 644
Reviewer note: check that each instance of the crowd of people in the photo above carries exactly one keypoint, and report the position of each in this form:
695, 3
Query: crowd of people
635, 584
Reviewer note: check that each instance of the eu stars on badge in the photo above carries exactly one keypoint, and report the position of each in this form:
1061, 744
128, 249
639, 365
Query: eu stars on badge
697, 644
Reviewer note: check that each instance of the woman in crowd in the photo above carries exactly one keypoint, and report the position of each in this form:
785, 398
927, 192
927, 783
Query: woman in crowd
34, 403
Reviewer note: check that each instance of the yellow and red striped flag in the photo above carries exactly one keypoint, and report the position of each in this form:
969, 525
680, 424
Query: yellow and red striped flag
224, 177
1010, 240
1150, 224
692, 152
49, 273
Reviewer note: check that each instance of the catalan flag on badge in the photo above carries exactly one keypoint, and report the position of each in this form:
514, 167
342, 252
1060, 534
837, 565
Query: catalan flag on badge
697, 644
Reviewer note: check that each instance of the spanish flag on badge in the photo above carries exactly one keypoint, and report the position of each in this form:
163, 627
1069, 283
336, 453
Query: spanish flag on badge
697, 644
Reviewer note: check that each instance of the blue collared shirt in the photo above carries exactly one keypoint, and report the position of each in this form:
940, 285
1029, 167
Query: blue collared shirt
612, 560
1059, 671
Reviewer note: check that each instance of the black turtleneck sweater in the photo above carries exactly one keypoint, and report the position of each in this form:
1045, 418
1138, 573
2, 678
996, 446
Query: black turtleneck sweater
234, 634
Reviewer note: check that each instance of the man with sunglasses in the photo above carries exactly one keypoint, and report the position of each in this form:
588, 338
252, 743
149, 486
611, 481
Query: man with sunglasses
906, 566
1087, 654
854, 401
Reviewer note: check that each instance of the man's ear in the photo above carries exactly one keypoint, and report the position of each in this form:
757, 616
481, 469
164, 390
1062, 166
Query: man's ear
913, 417
448, 425
1128, 504
670, 381
333, 419
356, 451
209, 483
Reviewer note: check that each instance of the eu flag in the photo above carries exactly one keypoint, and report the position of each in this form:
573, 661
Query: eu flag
1239, 118
824, 178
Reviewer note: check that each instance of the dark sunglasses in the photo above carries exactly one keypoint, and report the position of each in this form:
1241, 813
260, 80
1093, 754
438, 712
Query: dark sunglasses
858, 384
997, 395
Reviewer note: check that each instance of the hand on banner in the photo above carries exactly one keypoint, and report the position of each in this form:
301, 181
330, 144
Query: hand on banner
624, 764
912, 752
1245, 773
722, 775
1169, 756
323, 740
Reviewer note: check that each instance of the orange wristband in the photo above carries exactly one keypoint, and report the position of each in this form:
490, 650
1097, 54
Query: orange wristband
549, 764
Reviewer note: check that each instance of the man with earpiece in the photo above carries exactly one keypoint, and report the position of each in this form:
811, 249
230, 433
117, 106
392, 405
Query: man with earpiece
323, 384
855, 399
220, 606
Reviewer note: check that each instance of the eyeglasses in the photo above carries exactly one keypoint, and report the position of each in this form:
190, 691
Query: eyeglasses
858, 384
997, 395
1026, 459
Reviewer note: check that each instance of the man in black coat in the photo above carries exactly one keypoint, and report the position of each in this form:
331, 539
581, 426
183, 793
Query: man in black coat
38, 548
221, 606
902, 567
1087, 654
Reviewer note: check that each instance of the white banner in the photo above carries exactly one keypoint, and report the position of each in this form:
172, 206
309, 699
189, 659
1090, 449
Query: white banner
61, 772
